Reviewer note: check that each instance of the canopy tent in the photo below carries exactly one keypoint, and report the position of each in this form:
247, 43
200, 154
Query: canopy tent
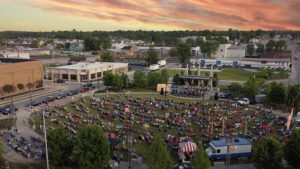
186, 147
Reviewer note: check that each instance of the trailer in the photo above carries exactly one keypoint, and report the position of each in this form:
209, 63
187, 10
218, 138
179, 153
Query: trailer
240, 147
162, 63
154, 67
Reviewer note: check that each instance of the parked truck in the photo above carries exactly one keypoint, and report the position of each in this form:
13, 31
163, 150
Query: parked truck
154, 67
240, 147
162, 63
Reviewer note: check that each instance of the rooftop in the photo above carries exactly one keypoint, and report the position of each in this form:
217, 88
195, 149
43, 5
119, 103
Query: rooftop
85, 65
235, 142
235, 47
13, 60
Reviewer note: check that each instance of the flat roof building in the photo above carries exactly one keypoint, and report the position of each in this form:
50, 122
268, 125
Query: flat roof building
23, 74
85, 72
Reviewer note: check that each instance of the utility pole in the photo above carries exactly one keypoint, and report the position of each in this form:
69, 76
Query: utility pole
129, 150
45, 136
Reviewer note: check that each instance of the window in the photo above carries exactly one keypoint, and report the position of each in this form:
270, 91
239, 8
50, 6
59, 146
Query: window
93, 75
73, 77
65, 76
99, 74
218, 150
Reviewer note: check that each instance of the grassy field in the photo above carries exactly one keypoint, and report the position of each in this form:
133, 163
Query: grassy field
160, 129
6, 123
235, 74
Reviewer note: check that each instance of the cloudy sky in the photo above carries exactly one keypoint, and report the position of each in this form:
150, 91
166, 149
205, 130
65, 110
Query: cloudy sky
88, 15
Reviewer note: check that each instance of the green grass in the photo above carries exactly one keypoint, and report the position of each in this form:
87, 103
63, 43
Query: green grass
141, 147
236, 74
6, 123
137, 89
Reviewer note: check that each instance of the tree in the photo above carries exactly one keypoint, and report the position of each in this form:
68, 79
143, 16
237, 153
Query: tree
200, 159
292, 148
153, 79
260, 48
235, 89
183, 51
105, 43
173, 53
9, 88
209, 47
91, 149
268, 154
60, 146
108, 78
250, 49
280, 45
158, 156
35, 43
107, 57
30, 85
20, 86
151, 56
125, 80
250, 88
293, 96
1, 41
270, 45
139, 79
67, 46
1, 153
117, 82
277, 93
164, 75
91, 44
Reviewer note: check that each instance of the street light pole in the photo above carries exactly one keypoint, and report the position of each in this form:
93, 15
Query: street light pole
228, 143
45, 136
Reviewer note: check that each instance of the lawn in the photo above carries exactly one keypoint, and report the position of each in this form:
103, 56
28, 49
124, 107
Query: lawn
235, 74
100, 115
6, 123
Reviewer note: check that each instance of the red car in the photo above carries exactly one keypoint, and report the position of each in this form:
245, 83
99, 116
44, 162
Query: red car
86, 89
49, 99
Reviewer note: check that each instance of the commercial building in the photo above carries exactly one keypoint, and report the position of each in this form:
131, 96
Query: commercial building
245, 62
23, 74
85, 72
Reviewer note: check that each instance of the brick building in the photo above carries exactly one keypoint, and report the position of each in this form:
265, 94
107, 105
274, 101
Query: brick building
21, 72
277, 55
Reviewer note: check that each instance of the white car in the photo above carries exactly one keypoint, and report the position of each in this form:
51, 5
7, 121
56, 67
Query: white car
243, 101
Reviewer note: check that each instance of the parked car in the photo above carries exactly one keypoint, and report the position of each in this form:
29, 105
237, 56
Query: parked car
226, 95
60, 96
85, 89
243, 101
72, 92
60, 81
49, 99
7, 109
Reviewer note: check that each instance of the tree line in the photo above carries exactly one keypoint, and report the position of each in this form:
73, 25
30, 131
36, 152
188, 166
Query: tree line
140, 80
168, 38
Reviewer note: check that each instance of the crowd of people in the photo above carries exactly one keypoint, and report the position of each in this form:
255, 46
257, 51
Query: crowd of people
189, 91
29, 148
177, 120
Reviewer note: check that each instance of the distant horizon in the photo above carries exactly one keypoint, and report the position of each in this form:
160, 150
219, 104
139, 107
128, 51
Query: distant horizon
150, 30
156, 15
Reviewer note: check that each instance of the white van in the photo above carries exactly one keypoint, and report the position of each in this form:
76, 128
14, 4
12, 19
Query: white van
240, 147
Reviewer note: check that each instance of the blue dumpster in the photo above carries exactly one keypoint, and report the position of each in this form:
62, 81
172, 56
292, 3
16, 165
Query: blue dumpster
235, 64
218, 62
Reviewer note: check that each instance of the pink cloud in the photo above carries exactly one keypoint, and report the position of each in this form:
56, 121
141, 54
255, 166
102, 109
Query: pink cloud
183, 14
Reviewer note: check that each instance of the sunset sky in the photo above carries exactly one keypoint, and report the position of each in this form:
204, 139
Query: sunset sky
89, 15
